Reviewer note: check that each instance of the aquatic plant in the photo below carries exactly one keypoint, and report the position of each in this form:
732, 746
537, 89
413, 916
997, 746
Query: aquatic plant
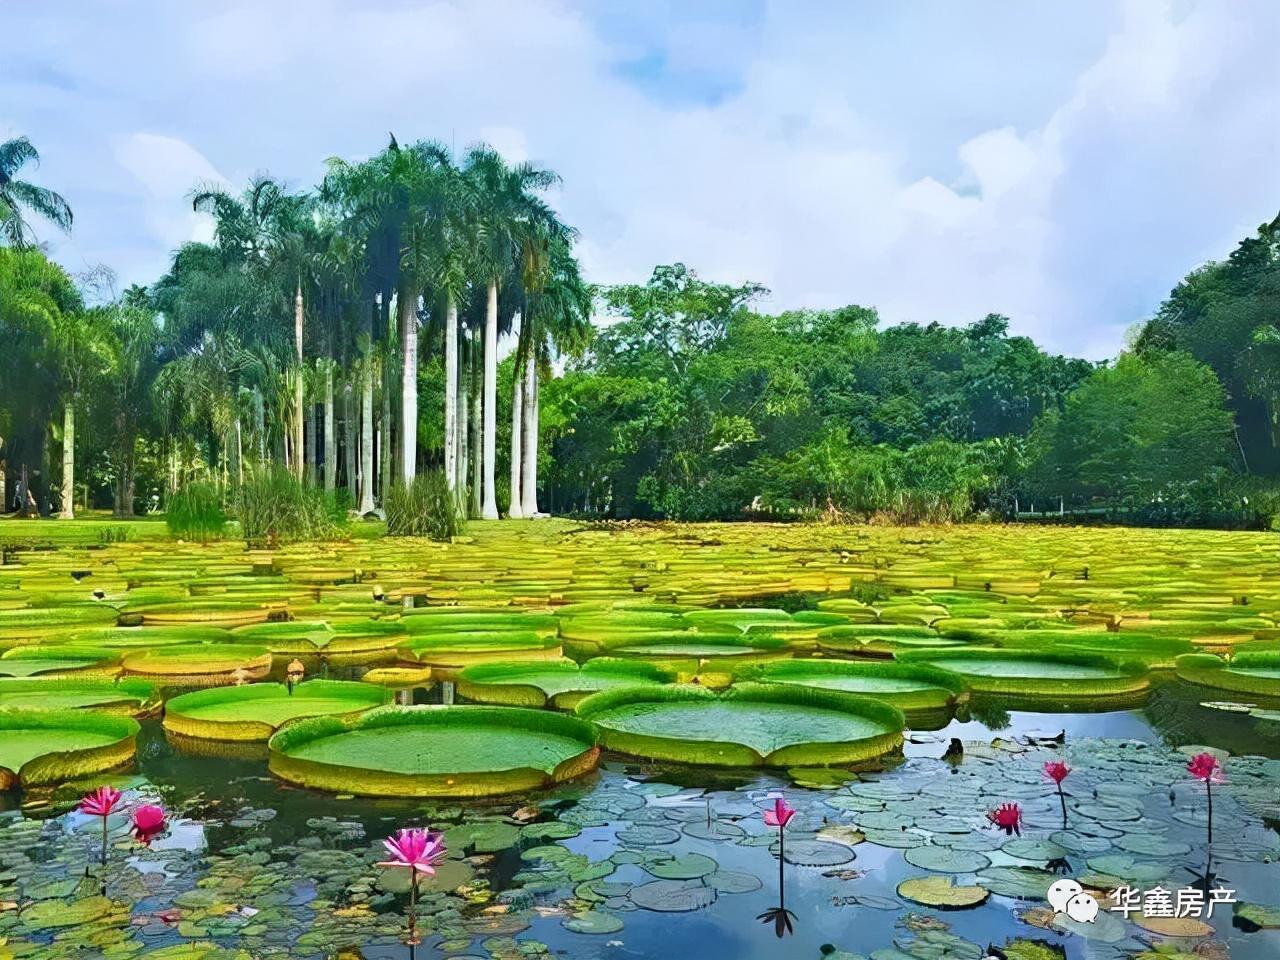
101, 802
1056, 771
1206, 768
424, 507
783, 920
1008, 817
195, 512
419, 851
148, 822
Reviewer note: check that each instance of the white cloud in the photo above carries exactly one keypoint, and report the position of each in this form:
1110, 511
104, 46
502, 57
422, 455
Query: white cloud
1063, 168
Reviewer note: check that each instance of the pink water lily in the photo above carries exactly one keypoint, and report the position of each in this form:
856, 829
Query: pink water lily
101, 802
148, 823
1008, 817
1056, 771
780, 815
1206, 768
420, 851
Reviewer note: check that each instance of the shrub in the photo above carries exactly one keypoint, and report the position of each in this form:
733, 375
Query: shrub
273, 506
424, 508
195, 513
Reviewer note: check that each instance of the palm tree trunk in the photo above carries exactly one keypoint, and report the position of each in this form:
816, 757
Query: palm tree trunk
516, 509
366, 438
298, 442
529, 495
384, 427
68, 459
239, 454
330, 448
349, 443
477, 461
462, 426
450, 394
409, 386
490, 509
309, 442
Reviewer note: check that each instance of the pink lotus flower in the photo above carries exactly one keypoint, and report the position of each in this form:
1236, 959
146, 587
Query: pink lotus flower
101, 802
1056, 771
1008, 817
780, 815
148, 823
419, 850
1205, 768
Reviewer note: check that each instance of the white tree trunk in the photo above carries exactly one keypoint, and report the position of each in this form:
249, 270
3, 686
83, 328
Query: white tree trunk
349, 442
451, 395
489, 511
298, 442
366, 439
330, 441
517, 436
68, 460
408, 386
529, 495
239, 453
464, 429
383, 446
477, 434
309, 442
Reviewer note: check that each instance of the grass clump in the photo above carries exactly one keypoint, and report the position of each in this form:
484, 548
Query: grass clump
274, 507
425, 507
196, 513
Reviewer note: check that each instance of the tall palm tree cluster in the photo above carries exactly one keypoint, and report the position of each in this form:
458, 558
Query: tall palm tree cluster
300, 336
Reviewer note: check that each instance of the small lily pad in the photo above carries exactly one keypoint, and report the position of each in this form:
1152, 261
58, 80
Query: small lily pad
941, 893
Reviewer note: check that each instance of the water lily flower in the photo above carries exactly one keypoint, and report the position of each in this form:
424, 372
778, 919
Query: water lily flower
1206, 768
782, 919
101, 803
420, 851
1056, 771
148, 823
1008, 817
780, 815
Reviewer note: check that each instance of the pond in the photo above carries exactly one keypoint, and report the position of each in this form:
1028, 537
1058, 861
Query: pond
642, 859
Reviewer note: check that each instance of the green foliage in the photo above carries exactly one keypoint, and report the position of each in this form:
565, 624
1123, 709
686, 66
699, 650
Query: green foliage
1133, 429
196, 513
273, 506
426, 507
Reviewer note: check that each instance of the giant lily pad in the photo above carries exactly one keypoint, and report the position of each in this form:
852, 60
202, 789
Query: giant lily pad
434, 751
126, 697
749, 725
558, 683
256, 711
48, 746
941, 893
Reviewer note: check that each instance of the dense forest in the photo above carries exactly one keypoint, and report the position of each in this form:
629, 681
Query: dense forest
417, 313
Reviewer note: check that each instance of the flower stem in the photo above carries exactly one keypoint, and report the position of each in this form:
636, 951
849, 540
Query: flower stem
782, 859
1062, 799
413, 907
1208, 792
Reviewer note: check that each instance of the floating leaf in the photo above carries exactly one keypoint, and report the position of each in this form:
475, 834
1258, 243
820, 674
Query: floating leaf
942, 893
673, 896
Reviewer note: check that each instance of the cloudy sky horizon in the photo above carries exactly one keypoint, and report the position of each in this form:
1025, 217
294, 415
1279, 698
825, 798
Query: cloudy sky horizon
1064, 164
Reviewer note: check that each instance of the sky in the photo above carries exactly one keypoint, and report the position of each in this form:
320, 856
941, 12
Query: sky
1064, 164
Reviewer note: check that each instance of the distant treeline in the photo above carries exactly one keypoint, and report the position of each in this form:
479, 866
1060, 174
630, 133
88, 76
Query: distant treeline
692, 405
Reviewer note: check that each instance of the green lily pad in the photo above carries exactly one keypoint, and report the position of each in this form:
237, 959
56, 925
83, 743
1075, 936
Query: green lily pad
594, 922
673, 896
941, 893
946, 859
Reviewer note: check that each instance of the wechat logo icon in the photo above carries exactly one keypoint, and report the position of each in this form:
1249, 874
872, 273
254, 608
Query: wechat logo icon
1067, 896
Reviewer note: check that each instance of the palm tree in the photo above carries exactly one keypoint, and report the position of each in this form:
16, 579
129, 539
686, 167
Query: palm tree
19, 198
557, 319
505, 209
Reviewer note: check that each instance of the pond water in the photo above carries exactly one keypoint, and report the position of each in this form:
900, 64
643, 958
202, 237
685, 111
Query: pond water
257, 865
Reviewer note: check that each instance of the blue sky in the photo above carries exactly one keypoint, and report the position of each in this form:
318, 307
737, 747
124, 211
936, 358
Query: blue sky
1064, 164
